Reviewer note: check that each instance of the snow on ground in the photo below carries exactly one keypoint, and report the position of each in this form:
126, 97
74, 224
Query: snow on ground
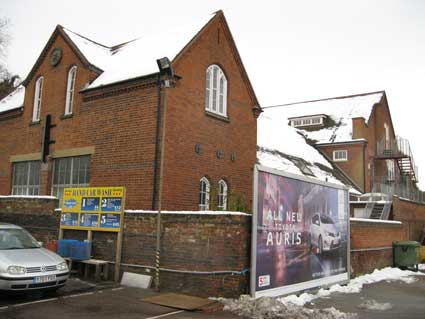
374, 305
355, 285
292, 306
270, 308
422, 267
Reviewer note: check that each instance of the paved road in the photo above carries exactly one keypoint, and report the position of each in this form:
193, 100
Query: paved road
407, 300
122, 302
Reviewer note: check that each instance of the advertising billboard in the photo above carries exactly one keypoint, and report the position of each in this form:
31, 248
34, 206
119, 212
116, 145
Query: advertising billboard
300, 234
93, 208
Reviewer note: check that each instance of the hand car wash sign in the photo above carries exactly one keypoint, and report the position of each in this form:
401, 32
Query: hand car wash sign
300, 234
93, 208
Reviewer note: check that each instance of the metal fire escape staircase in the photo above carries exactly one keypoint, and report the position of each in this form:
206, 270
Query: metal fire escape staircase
380, 199
400, 151
378, 206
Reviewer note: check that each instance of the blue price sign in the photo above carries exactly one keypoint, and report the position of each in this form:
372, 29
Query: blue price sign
88, 220
110, 220
69, 219
90, 204
111, 204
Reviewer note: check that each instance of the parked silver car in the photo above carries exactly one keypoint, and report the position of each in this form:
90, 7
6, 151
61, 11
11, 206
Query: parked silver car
324, 233
25, 265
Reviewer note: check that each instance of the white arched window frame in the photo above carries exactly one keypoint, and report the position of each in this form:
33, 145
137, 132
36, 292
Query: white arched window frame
70, 90
222, 195
37, 99
216, 91
204, 194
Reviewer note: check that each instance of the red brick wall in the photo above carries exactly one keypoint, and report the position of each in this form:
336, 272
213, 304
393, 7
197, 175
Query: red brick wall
119, 123
412, 214
371, 244
361, 166
188, 124
354, 166
189, 243
37, 215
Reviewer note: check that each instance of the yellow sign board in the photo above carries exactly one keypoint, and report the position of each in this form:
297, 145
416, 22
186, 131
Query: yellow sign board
93, 208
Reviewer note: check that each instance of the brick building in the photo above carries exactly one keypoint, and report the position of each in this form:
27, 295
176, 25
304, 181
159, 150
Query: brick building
108, 108
355, 132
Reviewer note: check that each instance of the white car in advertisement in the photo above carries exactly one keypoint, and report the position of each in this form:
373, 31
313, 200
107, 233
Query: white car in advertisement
25, 265
324, 235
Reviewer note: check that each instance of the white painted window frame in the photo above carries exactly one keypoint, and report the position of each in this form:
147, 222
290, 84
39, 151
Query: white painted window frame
216, 90
307, 121
340, 159
57, 188
70, 88
31, 170
204, 201
222, 195
38, 94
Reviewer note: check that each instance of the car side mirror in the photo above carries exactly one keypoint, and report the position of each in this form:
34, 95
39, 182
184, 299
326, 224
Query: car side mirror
40, 243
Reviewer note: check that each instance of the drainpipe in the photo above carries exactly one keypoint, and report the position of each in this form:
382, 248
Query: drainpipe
158, 126
166, 70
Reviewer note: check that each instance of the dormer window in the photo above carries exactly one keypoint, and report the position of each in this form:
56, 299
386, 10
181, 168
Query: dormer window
216, 91
37, 99
340, 155
315, 120
70, 90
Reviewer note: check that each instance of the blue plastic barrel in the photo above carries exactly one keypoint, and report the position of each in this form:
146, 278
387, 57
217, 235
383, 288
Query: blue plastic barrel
64, 247
80, 250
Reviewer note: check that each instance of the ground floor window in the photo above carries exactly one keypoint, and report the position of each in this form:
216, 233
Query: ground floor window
26, 178
204, 194
70, 172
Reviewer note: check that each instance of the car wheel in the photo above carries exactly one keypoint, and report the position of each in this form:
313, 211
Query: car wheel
320, 245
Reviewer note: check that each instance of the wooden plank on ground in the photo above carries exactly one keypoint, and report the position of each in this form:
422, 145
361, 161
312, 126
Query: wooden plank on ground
179, 301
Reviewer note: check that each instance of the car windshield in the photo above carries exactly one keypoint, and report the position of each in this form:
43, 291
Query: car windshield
326, 219
16, 239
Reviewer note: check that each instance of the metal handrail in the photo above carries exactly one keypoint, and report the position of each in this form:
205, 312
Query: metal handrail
398, 147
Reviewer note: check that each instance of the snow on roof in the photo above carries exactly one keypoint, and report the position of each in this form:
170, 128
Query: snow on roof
95, 53
278, 143
135, 58
14, 100
341, 110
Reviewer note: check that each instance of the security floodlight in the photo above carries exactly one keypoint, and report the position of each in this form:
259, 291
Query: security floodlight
164, 65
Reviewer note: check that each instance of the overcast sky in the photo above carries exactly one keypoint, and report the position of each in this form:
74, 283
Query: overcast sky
292, 50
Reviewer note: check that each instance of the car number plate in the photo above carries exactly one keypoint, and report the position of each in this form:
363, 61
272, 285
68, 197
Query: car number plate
41, 279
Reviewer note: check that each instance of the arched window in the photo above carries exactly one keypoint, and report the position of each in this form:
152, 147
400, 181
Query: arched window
70, 90
222, 195
37, 99
216, 91
204, 194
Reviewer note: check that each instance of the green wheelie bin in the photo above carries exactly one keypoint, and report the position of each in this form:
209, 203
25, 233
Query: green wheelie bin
406, 254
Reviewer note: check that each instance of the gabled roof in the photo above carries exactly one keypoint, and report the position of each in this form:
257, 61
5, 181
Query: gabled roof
14, 100
137, 58
281, 147
341, 111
